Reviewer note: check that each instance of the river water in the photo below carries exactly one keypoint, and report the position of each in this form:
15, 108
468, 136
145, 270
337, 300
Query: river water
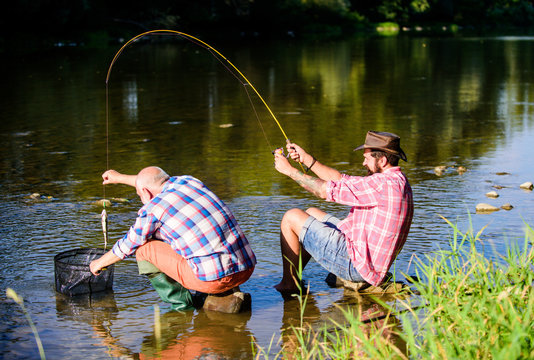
454, 101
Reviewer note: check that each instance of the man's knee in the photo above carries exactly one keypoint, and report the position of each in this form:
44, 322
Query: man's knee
294, 219
316, 213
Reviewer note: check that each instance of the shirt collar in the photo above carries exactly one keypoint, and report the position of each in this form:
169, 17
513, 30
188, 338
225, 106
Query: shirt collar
394, 168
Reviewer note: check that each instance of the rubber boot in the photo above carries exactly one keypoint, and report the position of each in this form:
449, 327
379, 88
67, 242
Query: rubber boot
168, 289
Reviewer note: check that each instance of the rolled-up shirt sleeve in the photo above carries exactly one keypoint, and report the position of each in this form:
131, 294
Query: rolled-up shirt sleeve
353, 191
143, 229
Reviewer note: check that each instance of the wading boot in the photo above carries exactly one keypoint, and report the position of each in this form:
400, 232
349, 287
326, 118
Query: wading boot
168, 289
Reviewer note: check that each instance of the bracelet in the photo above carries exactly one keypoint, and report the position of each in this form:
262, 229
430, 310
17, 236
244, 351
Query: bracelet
313, 163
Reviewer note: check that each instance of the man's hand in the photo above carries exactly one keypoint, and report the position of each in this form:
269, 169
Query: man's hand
282, 164
298, 154
95, 267
111, 177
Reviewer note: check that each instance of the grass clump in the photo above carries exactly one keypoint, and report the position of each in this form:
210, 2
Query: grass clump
467, 306
476, 308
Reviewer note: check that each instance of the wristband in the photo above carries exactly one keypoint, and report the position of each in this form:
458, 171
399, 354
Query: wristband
313, 163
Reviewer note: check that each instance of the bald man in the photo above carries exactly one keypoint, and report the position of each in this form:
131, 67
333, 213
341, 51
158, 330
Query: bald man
186, 235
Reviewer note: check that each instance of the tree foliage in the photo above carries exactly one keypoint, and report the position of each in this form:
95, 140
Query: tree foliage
267, 18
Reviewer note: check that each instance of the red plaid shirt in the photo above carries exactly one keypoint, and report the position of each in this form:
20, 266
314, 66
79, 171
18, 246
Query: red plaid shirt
378, 223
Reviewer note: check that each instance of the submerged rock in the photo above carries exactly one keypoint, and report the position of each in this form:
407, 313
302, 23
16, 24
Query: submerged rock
225, 126
527, 185
501, 173
492, 194
103, 202
498, 187
461, 169
507, 206
439, 170
486, 208
40, 197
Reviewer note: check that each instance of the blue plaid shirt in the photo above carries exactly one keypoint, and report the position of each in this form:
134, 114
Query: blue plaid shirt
197, 225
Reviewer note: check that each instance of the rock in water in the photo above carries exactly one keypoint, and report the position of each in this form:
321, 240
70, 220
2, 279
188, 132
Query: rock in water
527, 185
101, 202
486, 208
507, 206
362, 287
439, 170
492, 194
230, 302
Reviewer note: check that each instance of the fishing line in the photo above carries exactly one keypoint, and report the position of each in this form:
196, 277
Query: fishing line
220, 57
257, 117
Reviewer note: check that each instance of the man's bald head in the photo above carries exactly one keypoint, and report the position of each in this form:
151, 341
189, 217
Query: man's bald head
151, 176
152, 179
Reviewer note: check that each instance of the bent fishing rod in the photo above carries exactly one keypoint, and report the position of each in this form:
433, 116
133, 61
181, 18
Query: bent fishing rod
220, 57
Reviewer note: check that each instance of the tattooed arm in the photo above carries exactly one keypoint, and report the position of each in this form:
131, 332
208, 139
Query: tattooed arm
312, 184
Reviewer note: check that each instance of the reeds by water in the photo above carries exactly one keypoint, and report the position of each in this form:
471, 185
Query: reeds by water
467, 307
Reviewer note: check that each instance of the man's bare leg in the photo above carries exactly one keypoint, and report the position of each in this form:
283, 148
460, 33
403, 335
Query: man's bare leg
290, 227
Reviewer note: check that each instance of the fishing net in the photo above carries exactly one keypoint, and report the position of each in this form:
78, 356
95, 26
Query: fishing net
73, 276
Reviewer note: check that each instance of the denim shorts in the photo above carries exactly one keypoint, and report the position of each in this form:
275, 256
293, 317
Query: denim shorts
327, 245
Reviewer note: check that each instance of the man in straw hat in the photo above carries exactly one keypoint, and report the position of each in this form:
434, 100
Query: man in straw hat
362, 246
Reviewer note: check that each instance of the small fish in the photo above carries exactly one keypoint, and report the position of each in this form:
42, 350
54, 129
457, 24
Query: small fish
104, 217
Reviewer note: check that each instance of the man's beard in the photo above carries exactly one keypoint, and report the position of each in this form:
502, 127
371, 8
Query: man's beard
370, 172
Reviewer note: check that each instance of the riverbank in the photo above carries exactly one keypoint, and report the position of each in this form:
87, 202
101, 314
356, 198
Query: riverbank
466, 306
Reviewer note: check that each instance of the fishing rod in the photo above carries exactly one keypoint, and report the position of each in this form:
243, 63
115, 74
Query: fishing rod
220, 57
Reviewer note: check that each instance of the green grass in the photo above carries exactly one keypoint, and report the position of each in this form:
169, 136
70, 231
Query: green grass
467, 307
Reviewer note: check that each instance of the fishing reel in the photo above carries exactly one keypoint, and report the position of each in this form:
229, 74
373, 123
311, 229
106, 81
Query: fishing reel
280, 151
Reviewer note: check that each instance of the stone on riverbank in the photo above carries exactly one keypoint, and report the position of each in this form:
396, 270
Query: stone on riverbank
527, 185
486, 208
362, 287
492, 194
231, 302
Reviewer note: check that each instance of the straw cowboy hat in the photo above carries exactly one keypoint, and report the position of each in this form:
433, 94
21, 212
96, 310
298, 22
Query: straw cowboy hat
383, 141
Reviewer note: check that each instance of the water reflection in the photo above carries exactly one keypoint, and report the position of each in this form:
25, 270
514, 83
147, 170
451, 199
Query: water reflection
129, 101
373, 317
185, 335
